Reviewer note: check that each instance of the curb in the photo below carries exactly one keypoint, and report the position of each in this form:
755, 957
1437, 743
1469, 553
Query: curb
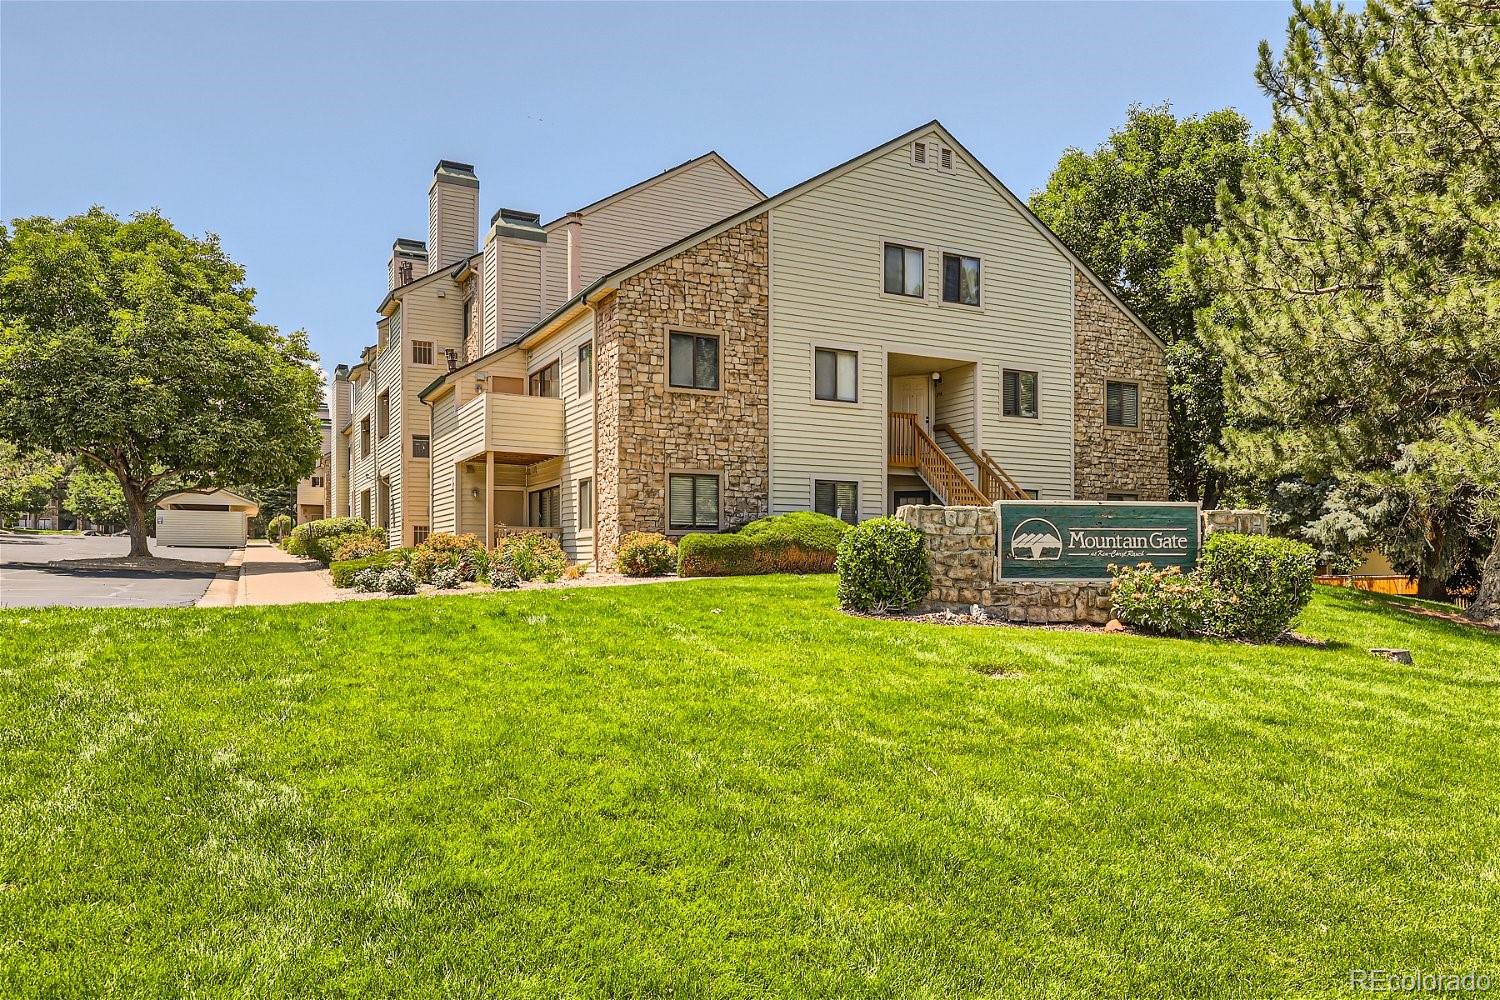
228, 584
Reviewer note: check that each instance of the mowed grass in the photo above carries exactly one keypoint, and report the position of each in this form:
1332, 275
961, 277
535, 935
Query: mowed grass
728, 788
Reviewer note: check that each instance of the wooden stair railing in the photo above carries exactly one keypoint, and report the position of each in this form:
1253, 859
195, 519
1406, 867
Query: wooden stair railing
911, 447
993, 480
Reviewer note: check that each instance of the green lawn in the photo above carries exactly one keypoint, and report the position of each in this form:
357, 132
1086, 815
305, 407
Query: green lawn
727, 788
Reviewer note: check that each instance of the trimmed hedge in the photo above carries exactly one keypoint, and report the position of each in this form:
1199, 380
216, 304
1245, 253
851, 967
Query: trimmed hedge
882, 567
343, 572
1261, 583
798, 542
320, 539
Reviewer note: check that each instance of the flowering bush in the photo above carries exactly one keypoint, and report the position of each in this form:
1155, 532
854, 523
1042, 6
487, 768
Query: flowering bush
645, 553
359, 547
462, 553
446, 578
398, 580
1162, 601
367, 580
533, 556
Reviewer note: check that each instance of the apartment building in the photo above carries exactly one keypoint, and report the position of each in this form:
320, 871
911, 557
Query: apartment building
450, 301
897, 329
314, 491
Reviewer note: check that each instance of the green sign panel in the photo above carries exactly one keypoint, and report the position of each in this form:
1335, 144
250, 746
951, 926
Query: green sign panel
1079, 540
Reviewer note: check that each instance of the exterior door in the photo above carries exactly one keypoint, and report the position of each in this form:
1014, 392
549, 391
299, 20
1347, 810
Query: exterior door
913, 394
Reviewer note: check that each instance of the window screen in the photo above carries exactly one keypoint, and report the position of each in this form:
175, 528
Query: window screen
837, 499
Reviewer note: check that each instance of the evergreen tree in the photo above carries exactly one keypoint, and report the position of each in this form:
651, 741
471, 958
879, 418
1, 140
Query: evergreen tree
1357, 276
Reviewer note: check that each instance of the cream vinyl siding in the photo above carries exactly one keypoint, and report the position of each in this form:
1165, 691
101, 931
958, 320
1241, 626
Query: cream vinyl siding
555, 269
432, 312
520, 287
658, 214
955, 406
447, 446
826, 281
388, 457
452, 223
578, 436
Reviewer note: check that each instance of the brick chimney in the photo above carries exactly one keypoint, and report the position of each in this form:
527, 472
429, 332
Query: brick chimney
452, 214
408, 262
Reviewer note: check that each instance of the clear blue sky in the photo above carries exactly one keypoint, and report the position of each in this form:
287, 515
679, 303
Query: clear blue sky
305, 134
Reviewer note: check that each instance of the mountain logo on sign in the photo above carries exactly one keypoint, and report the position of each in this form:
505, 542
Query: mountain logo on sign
1036, 539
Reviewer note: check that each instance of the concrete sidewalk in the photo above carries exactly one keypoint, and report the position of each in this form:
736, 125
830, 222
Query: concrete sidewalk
270, 576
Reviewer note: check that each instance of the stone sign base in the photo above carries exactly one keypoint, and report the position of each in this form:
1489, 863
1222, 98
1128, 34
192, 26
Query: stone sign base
961, 556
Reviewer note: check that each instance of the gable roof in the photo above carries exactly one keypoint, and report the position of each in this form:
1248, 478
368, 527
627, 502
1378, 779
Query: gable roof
711, 156
613, 279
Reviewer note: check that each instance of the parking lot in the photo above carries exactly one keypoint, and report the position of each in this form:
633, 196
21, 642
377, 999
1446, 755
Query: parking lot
30, 574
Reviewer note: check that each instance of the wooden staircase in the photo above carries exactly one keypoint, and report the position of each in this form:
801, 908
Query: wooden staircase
911, 447
994, 482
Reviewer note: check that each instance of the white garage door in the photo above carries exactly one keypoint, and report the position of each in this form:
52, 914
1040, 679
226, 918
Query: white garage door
201, 528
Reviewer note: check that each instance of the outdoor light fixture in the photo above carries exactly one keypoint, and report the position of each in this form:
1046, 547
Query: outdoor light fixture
474, 493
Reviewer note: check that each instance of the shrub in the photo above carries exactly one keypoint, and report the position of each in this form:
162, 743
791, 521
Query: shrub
398, 580
446, 578
736, 555
882, 566
462, 553
343, 573
1162, 601
319, 539
645, 553
813, 531
1260, 584
503, 573
576, 571
279, 527
358, 547
533, 556
366, 580
798, 542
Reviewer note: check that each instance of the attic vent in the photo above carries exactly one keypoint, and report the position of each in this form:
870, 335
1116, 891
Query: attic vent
945, 159
919, 153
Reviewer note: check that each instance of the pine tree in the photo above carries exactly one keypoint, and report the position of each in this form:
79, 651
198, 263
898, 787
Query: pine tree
1357, 276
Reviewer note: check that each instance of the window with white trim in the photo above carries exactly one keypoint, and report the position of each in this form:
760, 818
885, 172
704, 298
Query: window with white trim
837, 498
835, 375
692, 502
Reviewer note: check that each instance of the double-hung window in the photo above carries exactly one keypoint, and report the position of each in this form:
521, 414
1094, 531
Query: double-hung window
836, 375
1018, 394
961, 279
693, 361
904, 267
693, 502
585, 369
586, 504
837, 498
1122, 404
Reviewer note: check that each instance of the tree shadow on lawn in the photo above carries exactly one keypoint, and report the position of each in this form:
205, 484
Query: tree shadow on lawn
129, 568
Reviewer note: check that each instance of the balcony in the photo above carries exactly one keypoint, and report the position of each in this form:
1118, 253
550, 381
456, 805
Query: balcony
516, 429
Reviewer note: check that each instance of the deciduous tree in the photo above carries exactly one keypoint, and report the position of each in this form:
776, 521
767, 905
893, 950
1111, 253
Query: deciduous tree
136, 347
1125, 209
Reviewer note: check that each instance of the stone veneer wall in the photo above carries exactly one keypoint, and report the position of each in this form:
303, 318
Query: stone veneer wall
1108, 346
645, 429
961, 557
